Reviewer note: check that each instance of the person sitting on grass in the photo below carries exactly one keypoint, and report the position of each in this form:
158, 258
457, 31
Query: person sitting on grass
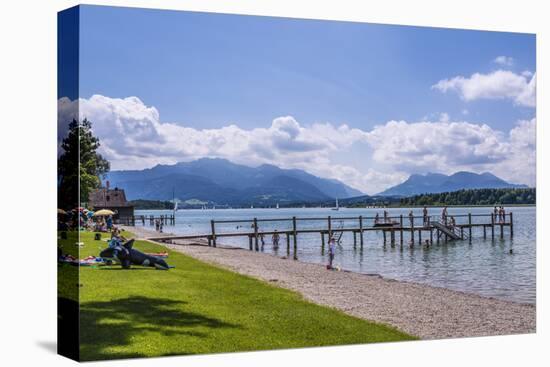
116, 241
331, 252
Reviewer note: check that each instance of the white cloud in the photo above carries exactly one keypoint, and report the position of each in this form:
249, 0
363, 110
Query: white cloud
133, 137
500, 84
448, 147
504, 60
444, 117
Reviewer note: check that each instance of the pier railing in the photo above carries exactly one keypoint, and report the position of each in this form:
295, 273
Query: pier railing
443, 228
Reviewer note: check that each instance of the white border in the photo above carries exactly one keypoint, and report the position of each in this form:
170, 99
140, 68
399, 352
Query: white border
28, 91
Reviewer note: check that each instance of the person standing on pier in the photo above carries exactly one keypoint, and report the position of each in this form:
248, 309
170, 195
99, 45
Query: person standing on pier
385, 216
444, 215
376, 219
502, 215
496, 212
411, 218
425, 216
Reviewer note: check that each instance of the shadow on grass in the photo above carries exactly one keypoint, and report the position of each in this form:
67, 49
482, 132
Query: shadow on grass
133, 268
112, 329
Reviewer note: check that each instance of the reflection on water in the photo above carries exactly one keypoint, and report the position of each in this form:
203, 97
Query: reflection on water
484, 266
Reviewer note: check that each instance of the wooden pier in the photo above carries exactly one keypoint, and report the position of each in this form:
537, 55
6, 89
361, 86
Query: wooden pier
435, 229
165, 219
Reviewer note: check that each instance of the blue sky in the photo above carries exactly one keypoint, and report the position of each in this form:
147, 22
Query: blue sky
208, 71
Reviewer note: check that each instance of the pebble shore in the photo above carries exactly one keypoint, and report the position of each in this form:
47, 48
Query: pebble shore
421, 310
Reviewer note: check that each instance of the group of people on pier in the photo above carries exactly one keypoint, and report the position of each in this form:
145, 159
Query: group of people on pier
500, 213
445, 218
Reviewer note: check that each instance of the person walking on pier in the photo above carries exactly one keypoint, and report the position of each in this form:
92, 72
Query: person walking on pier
331, 252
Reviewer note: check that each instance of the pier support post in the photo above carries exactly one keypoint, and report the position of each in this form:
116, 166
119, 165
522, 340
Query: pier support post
250, 243
361, 230
295, 239
384, 233
256, 246
329, 226
322, 243
392, 237
412, 230
511, 225
212, 224
420, 236
493, 226
354, 240
484, 232
431, 236
470, 227
501, 230
438, 233
401, 230
461, 233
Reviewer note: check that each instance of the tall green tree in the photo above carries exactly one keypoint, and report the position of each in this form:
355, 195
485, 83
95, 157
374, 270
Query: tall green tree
80, 165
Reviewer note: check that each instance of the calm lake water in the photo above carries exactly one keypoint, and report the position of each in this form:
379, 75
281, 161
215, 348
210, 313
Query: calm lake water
485, 267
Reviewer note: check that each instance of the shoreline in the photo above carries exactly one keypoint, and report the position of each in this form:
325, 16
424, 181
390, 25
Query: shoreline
422, 310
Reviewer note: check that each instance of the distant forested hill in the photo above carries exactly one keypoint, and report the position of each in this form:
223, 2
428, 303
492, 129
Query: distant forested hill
151, 204
474, 197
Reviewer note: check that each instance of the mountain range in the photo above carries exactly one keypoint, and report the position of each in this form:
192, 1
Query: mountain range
221, 182
436, 183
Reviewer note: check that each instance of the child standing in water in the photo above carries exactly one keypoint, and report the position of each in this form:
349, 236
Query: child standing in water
331, 252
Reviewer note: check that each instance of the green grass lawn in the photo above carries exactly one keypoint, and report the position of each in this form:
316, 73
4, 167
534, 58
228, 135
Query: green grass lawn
200, 308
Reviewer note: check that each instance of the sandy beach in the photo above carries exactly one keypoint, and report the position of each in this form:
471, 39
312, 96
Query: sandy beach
421, 310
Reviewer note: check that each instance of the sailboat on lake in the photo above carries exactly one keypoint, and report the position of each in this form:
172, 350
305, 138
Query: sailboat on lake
337, 207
